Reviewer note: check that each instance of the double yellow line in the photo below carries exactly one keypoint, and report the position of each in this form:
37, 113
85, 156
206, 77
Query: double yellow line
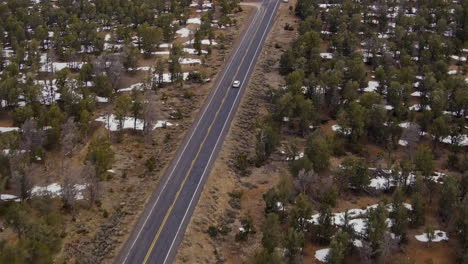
153, 243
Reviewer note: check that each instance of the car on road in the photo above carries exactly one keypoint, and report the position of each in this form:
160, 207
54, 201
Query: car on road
236, 84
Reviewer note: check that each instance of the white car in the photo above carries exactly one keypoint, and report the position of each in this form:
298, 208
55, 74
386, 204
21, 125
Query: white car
236, 84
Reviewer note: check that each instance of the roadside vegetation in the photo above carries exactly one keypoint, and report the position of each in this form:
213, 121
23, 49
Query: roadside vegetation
82, 84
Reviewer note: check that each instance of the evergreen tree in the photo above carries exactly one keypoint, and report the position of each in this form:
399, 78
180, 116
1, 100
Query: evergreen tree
325, 225
302, 211
271, 232
339, 248
376, 227
449, 198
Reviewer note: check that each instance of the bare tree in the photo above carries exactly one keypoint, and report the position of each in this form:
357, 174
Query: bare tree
112, 66
389, 247
22, 175
412, 135
68, 137
99, 65
114, 70
159, 72
312, 184
31, 136
304, 180
365, 253
150, 116
69, 190
292, 149
91, 179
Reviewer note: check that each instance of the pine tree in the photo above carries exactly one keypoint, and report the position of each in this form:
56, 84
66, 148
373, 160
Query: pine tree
449, 198
293, 242
339, 248
417, 214
302, 211
271, 232
325, 225
376, 227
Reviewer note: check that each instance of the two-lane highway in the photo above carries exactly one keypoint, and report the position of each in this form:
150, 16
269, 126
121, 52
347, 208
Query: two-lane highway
160, 228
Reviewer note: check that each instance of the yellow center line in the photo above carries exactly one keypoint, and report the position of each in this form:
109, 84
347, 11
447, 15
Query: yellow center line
150, 249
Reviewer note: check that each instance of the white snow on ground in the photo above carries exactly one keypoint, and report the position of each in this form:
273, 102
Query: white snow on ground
461, 140
9, 197
389, 107
339, 129
382, 182
57, 66
165, 45
300, 156
328, 5
112, 46
189, 61
8, 129
194, 51
100, 99
416, 94
9, 151
113, 123
321, 254
279, 205
404, 124
452, 72
455, 113
458, 58
195, 20
164, 52
55, 189
204, 42
143, 68
326, 55
438, 236
371, 86
49, 90
357, 219
418, 107
107, 37
357, 243
402, 142
138, 86
184, 32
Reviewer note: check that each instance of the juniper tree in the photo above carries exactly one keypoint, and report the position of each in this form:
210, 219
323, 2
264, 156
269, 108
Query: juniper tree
271, 232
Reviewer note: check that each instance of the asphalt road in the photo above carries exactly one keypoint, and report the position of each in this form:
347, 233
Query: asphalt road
160, 228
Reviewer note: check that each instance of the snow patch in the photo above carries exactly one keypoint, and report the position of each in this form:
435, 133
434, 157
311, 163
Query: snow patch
437, 236
129, 122
326, 55
184, 32
8, 129
321, 254
55, 189
371, 86
195, 20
